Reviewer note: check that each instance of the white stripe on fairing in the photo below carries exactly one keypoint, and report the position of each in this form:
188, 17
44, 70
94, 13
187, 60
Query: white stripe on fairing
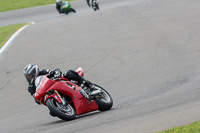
13, 37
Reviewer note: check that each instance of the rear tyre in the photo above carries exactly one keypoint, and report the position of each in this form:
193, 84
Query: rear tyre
65, 112
103, 99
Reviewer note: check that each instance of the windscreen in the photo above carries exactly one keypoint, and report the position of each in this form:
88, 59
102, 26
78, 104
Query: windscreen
38, 82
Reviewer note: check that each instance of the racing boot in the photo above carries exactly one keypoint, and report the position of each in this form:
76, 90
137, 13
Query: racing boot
85, 95
88, 84
86, 91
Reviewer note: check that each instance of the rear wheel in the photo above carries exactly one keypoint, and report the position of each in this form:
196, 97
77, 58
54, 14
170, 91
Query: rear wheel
103, 99
65, 112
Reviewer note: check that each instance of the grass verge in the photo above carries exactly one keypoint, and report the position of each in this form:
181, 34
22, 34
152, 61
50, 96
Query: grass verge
7, 31
6, 5
192, 128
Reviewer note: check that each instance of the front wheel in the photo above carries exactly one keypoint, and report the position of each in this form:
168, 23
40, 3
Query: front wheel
97, 6
72, 10
103, 99
65, 112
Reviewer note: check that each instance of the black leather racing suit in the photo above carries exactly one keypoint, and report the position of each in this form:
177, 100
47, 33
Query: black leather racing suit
32, 87
70, 75
58, 6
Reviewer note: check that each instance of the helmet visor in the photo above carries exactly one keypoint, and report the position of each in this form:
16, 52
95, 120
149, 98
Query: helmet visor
30, 78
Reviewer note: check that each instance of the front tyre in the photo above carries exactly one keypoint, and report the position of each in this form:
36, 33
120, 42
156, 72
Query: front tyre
97, 6
65, 112
103, 99
72, 10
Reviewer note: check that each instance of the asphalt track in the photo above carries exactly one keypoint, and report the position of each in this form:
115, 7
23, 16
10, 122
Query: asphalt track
144, 52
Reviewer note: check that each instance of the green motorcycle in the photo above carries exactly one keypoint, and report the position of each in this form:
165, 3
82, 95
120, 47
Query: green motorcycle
66, 7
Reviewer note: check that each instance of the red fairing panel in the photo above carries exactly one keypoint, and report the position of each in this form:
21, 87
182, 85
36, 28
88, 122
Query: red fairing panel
55, 96
68, 88
80, 71
45, 84
81, 105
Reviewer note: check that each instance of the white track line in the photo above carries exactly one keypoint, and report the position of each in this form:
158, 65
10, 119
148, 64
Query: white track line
13, 37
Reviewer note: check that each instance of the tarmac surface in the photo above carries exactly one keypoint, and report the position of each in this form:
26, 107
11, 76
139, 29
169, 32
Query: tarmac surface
145, 53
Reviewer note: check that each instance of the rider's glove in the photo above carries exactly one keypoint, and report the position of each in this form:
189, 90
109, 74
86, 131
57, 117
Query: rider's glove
55, 74
51, 74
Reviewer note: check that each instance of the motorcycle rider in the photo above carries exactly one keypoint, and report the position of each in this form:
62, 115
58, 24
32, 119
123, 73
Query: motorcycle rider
58, 6
89, 1
31, 72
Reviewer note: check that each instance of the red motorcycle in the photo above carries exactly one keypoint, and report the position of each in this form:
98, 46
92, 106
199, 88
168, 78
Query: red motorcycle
66, 99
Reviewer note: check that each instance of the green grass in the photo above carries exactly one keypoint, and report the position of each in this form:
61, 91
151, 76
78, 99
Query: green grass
6, 5
192, 128
7, 31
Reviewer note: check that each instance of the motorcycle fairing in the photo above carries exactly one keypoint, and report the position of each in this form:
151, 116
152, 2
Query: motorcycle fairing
64, 86
80, 71
44, 85
81, 105
55, 96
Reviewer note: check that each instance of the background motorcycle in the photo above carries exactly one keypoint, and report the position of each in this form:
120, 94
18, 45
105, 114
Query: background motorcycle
94, 4
65, 99
66, 7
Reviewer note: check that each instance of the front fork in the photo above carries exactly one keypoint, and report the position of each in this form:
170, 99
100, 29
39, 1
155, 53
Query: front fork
56, 96
63, 102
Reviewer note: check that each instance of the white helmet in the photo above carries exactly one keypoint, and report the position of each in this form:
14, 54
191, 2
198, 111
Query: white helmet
31, 71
